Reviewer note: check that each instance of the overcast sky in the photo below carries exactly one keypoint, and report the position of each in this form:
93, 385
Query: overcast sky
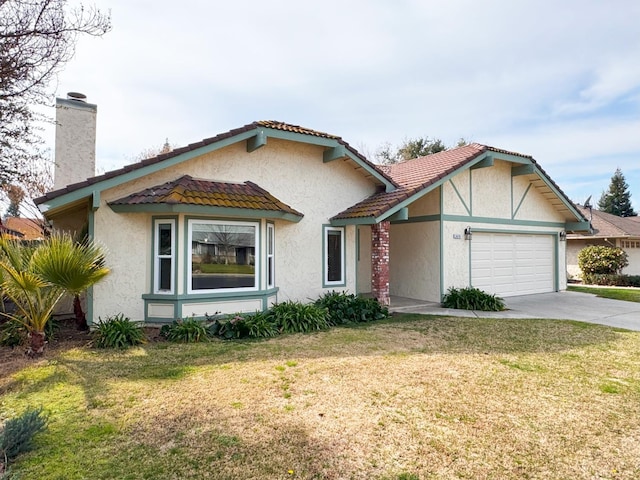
556, 79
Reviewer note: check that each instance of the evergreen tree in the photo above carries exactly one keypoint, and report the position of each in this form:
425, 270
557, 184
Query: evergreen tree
617, 201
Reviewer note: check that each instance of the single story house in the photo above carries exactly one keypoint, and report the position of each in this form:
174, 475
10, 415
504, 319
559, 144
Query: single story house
293, 213
608, 230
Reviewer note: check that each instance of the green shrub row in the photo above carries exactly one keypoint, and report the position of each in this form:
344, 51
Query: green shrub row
470, 298
332, 309
612, 280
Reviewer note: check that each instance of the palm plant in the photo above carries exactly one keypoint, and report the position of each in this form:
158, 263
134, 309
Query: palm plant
74, 266
36, 278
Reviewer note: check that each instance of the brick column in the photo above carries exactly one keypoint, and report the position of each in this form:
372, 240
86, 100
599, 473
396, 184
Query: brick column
380, 262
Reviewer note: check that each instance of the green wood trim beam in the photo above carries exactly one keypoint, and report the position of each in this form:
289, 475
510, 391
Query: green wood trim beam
341, 222
510, 158
95, 200
501, 221
523, 170
334, 153
487, 162
257, 141
419, 219
455, 189
577, 226
515, 212
400, 215
167, 209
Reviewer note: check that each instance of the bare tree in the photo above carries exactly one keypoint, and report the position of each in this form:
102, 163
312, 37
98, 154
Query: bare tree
37, 39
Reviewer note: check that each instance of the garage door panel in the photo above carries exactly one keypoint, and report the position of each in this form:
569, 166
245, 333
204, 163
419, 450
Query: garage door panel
512, 264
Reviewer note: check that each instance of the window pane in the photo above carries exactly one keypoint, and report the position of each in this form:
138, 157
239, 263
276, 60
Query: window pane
222, 256
164, 277
164, 239
334, 255
270, 271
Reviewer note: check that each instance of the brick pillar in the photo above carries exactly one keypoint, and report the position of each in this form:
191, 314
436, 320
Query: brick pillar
380, 262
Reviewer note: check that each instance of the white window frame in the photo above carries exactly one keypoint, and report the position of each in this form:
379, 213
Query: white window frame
157, 257
189, 268
342, 281
270, 251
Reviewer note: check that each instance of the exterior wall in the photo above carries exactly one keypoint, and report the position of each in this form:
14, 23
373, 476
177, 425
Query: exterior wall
426, 205
415, 260
634, 261
491, 200
75, 142
293, 172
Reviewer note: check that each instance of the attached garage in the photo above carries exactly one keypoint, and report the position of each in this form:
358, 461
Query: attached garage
513, 264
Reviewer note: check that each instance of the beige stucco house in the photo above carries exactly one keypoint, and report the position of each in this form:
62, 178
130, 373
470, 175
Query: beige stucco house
271, 212
607, 230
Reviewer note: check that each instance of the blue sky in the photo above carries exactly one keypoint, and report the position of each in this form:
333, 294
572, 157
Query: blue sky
556, 80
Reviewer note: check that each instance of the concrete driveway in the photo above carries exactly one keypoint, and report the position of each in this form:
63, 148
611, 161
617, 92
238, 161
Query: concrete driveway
559, 305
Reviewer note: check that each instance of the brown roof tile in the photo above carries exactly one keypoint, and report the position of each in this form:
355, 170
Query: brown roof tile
605, 225
190, 191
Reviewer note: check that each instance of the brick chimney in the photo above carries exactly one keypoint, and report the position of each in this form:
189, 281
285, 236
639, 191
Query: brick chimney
75, 157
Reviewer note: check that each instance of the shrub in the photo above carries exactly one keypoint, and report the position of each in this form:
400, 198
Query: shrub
294, 317
472, 299
612, 280
16, 436
346, 308
12, 333
601, 260
188, 330
118, 332
261, 325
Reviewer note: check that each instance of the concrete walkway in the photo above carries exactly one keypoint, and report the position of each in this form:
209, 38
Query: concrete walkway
583, 307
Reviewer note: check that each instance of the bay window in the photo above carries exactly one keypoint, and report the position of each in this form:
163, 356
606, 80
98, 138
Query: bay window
222, 256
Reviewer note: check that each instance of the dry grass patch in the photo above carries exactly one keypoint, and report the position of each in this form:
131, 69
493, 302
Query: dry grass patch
415, 397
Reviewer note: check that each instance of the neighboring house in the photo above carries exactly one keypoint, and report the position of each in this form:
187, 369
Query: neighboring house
608, 230
271, 212
27, 228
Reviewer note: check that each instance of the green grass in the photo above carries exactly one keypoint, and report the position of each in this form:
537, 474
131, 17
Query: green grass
221, 268
412, 397
628, 294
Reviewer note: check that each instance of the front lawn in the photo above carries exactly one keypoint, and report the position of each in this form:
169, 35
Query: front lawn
414, 397
628, 294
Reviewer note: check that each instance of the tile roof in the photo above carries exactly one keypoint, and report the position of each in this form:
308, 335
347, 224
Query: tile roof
30, 228
412, 176
419, 173
271, 124
605, 225
190, 191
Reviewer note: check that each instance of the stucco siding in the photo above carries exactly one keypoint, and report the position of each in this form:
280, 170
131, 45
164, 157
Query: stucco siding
456, 260
415, 260
428, 204
293, 172
634, 261
457, 194
491, 194
530, 204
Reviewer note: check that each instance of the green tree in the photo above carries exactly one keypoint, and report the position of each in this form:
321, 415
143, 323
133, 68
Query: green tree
36, 278
617, 200
37, 39
410, 148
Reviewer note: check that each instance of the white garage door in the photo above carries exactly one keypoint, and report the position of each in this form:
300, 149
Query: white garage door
509, 265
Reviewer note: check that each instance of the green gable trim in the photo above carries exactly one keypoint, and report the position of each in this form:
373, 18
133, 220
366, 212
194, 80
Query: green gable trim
257, 141
510, 157
334, 153
523, 170
464, 204
400, 215
166, 208
502, 221
577, 226
95, 200
258, 138
515, 212
487, 162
